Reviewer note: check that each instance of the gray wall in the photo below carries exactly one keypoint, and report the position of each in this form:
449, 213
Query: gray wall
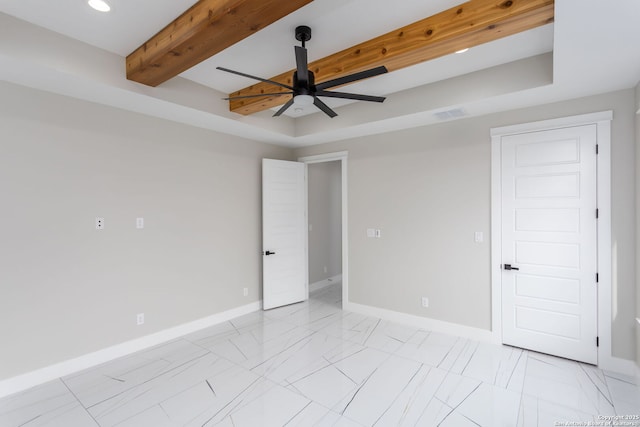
67, 289
428, 190
325, 220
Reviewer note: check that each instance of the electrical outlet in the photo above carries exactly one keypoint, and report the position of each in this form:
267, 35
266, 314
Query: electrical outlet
245, 292
99, 223
425, 302
479, 236
139, 223
140, 319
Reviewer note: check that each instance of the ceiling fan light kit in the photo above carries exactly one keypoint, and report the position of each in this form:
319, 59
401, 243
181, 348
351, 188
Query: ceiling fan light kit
305, 91
303, 100
99, 5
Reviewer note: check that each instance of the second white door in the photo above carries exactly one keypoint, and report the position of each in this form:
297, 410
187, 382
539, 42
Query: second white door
549, 242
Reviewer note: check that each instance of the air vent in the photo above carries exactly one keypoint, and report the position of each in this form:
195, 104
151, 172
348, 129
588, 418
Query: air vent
455, 113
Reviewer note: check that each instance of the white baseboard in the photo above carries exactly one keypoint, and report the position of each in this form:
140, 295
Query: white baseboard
424, 322
52, 372
616, 364
324, 283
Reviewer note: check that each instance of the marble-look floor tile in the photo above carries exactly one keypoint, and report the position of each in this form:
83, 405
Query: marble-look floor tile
625, 394
489, 405
152, 417
498, 365
536, 412
361, 364
213, 334
114, 378
311, 312
352, 327
432, 348
312, 364
378, 391
236, 397
254, 345
318, 416
412, 401
389, 336
327, 386
129, 403
303, 357
277, 407
565, 383
212, 396
48, 405
451, 393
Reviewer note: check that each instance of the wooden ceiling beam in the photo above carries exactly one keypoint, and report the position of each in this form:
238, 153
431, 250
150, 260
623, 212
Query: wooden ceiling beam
207, 28
466, 25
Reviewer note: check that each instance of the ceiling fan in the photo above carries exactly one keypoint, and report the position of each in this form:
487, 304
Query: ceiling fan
304, 90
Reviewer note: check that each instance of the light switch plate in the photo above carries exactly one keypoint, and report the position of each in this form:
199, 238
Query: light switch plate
479, 237
371, 232
139, 223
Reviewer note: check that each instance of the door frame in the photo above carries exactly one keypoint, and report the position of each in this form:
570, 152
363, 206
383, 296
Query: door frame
342, 157
602, 120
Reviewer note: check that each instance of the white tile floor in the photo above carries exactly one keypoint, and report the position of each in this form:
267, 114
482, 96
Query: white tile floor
311, 364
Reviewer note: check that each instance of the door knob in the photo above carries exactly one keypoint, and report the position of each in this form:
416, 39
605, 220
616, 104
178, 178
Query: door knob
509, 267
269, 253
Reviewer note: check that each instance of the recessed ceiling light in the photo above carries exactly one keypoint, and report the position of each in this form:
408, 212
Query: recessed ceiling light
99, 5
462, 50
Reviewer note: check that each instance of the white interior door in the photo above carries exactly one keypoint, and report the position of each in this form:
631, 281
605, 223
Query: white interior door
284, 233
549, 246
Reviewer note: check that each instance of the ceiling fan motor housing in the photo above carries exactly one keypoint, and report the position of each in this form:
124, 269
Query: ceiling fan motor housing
301, 87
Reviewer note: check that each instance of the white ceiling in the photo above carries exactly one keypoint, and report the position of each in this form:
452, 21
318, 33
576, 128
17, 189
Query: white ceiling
593, 44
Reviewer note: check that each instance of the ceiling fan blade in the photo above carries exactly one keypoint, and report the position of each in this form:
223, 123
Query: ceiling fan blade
324, 107
302, 67
255, 78
352, 78
257, 96
284, 108
355, 96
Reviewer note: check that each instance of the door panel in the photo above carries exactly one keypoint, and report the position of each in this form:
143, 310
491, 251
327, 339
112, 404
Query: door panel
558, 220
549, 299
284, 233
547, 288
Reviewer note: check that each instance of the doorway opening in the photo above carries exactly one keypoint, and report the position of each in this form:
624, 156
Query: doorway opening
324, 202
327, 220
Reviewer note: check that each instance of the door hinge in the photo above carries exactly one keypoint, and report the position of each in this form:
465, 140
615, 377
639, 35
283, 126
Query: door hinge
597, 341
597, 278
597, 149
597, 213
